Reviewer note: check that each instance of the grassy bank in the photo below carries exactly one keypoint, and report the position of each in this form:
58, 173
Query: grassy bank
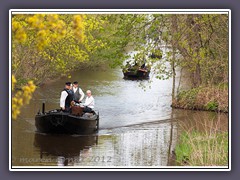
198, 149
203, 141
203, 98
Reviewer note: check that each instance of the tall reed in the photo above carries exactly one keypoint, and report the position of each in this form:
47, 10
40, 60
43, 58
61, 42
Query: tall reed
202, 143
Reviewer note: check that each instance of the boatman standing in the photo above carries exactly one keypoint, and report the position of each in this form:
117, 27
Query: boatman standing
66, 98
78, 93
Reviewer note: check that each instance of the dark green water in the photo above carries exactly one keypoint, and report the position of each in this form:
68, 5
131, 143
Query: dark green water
137, 127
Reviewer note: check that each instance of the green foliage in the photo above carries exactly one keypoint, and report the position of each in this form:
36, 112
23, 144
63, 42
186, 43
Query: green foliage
188, 97
198, 42
46, 46
212, 106
182, 149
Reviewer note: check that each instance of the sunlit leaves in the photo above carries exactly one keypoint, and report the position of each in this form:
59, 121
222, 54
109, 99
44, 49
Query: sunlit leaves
78, 27
39, 28
21, 97
56, 41
18, 32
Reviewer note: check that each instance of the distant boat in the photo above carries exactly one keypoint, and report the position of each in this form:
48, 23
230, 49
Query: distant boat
136, 74
59, 122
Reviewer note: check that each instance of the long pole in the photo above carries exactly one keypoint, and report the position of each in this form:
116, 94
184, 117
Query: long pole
43, 107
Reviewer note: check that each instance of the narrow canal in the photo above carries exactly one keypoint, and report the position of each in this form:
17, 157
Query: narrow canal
137, 127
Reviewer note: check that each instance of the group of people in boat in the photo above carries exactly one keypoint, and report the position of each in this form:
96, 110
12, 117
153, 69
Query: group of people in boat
72, 95
136, 66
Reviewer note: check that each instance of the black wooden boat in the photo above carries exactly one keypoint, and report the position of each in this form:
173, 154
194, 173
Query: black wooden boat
139, 74
59, 122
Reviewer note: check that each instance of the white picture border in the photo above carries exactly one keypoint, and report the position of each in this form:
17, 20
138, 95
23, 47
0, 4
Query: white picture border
117, 168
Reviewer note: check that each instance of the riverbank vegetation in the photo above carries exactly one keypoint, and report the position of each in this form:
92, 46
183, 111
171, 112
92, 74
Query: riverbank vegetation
199, 149
202, 143
203, 98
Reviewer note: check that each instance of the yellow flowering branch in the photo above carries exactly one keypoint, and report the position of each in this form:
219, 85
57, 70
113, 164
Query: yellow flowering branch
21, 97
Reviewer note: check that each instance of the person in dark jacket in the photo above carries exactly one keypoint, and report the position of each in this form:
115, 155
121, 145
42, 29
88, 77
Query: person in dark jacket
66, 97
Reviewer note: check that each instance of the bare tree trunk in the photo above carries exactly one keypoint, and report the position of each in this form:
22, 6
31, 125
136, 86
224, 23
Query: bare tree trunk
179, 83
173, 75
197, 75
173, 64
195, 43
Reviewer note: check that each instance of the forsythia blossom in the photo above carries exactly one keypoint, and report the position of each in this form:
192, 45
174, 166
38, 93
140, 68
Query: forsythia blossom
21, 97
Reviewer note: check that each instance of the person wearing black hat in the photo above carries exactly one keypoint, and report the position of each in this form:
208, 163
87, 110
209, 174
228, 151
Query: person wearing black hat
66, 97
78, 93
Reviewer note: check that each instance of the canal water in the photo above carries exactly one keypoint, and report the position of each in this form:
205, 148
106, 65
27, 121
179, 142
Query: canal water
137, 125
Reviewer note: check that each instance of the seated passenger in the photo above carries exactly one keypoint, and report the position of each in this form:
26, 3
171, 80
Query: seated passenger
89, 102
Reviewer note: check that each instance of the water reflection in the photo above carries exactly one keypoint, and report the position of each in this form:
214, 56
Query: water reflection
202, 121
171, 145
141, 145
64, 147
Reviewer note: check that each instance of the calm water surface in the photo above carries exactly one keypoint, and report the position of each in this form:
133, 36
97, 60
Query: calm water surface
137, 126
